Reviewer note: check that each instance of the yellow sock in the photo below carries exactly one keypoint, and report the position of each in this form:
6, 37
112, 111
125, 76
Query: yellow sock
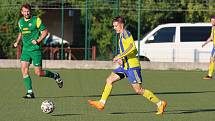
211, 68
106, 93
150, 96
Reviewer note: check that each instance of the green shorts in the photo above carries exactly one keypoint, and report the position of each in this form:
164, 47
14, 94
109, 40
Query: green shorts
32, 56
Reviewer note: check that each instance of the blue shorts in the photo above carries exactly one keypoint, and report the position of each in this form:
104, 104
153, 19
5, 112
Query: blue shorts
213, 53
133, 74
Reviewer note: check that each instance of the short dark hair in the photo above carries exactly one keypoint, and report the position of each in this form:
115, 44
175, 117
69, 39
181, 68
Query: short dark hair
119, 19
26, 5
212, 17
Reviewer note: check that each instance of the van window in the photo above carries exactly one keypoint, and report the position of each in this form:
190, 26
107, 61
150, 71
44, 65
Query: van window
166, 34
195, 34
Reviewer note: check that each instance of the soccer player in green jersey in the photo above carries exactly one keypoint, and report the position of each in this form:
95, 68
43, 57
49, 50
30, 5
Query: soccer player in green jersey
32, 32
130, 68
212, 58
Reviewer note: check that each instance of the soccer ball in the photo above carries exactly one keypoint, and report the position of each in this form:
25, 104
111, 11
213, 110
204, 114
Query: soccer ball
47, 106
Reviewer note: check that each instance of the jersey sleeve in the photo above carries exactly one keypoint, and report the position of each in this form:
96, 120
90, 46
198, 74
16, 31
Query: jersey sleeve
40, 25
131, 46
19, 25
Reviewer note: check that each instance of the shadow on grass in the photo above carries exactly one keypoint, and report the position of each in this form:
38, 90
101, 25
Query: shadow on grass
190, 111
121, 113
66, 114
133, 94
88, 95
191, 92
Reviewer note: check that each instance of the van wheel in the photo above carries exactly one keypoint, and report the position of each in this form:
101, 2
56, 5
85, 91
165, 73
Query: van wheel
143, 58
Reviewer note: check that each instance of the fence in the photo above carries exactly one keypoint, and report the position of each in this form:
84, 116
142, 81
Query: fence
86, 24
54, 53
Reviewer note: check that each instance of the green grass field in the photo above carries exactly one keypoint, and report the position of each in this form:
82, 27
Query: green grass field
189, 97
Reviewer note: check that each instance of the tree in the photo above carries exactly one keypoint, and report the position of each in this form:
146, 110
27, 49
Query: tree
8, 24
9, 16
101, 12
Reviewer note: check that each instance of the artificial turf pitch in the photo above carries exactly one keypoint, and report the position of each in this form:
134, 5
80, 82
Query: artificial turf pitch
189, 97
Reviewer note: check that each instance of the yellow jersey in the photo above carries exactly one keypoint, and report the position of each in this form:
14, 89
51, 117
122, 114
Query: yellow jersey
128, 50
212, 34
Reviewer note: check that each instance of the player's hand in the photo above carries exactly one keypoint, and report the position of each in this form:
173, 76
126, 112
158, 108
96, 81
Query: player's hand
15, 44
117, 60
203, 44
34, 42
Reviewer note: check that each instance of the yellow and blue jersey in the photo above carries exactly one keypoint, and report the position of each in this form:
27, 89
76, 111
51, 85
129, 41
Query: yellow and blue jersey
128, 51
212, 34
213, 37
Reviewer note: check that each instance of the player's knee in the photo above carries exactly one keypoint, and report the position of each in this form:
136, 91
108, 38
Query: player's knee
109, 80
212, 59
38, 73
25, 71
139, 91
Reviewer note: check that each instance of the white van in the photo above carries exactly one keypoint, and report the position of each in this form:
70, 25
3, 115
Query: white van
176, 42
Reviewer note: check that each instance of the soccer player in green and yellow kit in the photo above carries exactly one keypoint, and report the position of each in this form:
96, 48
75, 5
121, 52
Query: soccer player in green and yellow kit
212, 58
32, 32
130, 68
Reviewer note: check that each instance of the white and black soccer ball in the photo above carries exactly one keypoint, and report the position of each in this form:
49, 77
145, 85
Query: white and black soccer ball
47, 106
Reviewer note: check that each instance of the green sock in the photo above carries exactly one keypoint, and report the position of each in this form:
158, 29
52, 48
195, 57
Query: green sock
28, 83
49, 74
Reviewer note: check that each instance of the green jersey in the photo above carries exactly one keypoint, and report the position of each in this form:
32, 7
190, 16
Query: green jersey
30, 30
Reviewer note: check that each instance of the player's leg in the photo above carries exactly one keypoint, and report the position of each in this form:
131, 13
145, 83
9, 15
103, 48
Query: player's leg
146, 93
46, 73
211, 65
108, 87
26, 76
25, 62
113, 77
134, 76
37, 62
210, 69
161, 105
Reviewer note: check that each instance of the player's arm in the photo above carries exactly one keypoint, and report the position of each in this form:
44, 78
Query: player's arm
43, 31
125, 53
19, 37
208, 40
42, 36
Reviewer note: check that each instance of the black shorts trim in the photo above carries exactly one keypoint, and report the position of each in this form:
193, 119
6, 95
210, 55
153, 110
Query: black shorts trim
121, 75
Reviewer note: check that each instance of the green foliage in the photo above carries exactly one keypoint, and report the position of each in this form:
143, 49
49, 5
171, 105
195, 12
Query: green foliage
9, 16
100, 14
152, 14
101, 31
8, 23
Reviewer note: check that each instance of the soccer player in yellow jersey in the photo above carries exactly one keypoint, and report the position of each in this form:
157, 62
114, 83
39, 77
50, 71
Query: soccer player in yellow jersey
130, 68
212, 58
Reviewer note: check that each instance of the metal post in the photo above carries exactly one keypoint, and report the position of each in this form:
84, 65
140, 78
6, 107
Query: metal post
62, 28
196, 56
116, 36
86, 29
91, 5
138, 35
